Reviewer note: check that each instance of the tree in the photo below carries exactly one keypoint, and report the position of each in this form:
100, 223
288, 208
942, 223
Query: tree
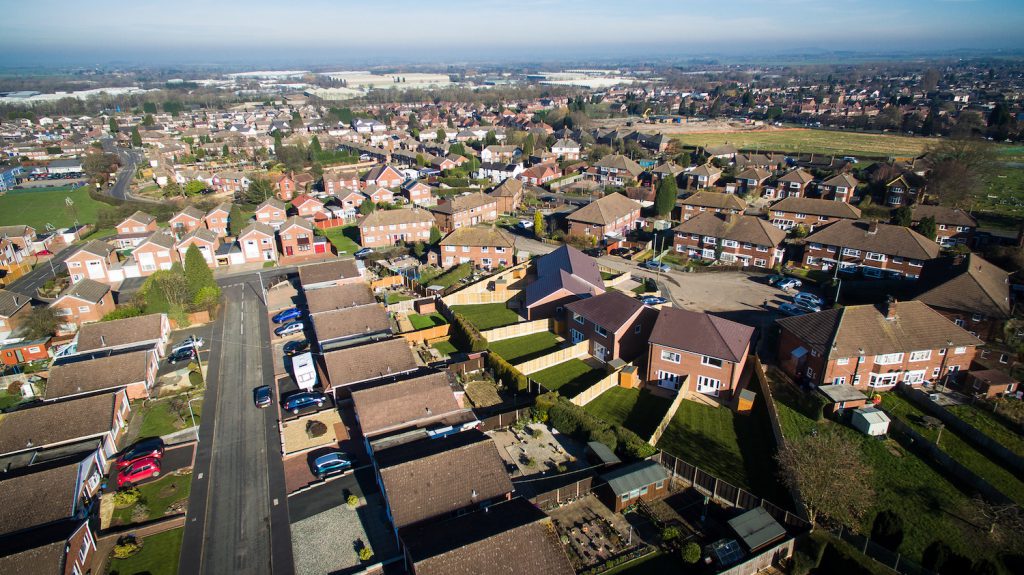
887, 530
366, 208
173, 190
490, 138
435, 235
224, 151
42, 322
149, 107
277, 141
538, 224
528, 145
691, 553
926, 227
197, 273
316, 170
1003, 522
136, 138
235, 220
961, 169
903, 216
665, 198
194, 187
829, 472
113, 126
98, 165
441, 135
418, 249
148, 120
420, 160
260, 189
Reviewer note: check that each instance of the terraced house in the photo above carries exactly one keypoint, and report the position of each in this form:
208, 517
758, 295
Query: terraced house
870, 248
389, 227
811, 213
467, 210
708, 201
731, 239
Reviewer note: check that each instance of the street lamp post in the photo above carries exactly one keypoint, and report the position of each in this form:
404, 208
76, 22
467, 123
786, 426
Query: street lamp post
193, 414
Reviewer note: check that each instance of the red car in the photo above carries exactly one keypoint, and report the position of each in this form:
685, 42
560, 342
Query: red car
140, 469
151, 447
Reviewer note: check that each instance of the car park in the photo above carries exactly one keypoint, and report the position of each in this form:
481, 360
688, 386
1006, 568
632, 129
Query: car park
791, 309
296, 347
262, 396
180, 355
331, 463
775, 279
789, 283
290, 328
149, 447
362, 253
808, 299
656, 266
137, 471
284, 316
304, 399
653, 300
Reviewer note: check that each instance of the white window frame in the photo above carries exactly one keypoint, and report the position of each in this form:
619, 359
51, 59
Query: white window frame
923, 355
671, 356
889, 358
709, 361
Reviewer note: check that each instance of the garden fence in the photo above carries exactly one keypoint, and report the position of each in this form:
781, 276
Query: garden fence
882, 555
672, 408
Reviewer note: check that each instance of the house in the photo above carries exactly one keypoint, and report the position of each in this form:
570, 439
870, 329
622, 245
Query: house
617, 170
257, 242
703, 176
613, 215
540, 174
486, 247
875, 250
186, 220
351, 326
629, 484
362, 364
616, 325
508, 194
470, 543
23, 237
337, 183
811, 213
464, 471
418, 403
389, 227
84, 302
990, 383
794, 183
230, 182
707, 356
953, 226
970, 292
338, 297
93, 260
378, 194
709, 201
134, 229
566, 150
350, 200
217, 220
904, 190
90, 373
496, 153
465, 210
204, 240
66, 548
730, 238
497, 172
307, 206
839, 188
330, 274
154, 253
271, 212
298, 240
286, 187
750, 180
14, 309
418, 193
874, 347
563, 276
382, 176
144, 332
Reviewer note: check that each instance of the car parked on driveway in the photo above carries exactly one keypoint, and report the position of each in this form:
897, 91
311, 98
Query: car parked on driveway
149, 447
137, 471
290, 328
285, 316
657, 266
190, 342
331, 463
362, 253
296, 347
179, 355
791, 309
788, 284
262, 396
621, 252
653, 300
808, 299
304, 399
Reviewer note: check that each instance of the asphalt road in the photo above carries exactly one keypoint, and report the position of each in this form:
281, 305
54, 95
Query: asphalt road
33, 280
238, 517
129, 159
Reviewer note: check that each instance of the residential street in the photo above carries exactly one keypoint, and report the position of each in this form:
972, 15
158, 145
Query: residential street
33, 280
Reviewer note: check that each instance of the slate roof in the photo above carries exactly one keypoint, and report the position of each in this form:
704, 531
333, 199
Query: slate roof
473, 236
463, 203
395, 404
85, 290
634, 476
565, 268
816, 207
368, 362
11, 302
605, 210
101, 373
621, 163
738, 227
943, 215
40, 558
351, 322
719, 200
338, 297
396, 217
328, 272
701, 333
52, 423
610, 310
887, 239
35, 499
844, 332
966, 283
118, 332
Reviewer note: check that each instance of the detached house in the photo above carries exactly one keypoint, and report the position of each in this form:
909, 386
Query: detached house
382, 176
307, 206
811, 213
417, 403
467, 210
186, 220
486, 248
540, 174
217, 220
730, 238
705, 352
875, 347
83, 302
496, 153
14, 308
272, 213
904, 190
566, 150
616, 325
707, 201
379, 194
617, 170
839, 188
508, 194
134, 229
93, 260
953, 226
794, 183
205, 241
873, 249
611, 215
704, 176
751, 180
298, 240
389, 227
257, 242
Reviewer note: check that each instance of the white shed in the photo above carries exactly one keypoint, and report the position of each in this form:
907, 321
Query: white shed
870, 420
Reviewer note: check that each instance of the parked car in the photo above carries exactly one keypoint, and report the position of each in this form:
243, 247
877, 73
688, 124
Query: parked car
809, 298
789, 283
262, 396
807, 306
190, 342
285, 316
304, 399
179, 355
362, 253
594, 252
331, 463
791, 309
290, 328
137, 471
150, 447
656, 266
774, 279
296, 347
524, 224
621, 252
653, 300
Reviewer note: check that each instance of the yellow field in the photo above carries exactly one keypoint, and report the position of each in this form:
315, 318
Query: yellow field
797, 140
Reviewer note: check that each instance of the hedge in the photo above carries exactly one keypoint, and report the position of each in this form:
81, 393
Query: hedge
506, 373
575, 421
465, 336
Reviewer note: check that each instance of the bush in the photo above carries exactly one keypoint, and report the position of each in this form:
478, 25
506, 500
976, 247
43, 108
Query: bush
464, 335
127, 497
505, 372
352, 501
315, 428
670, 534
365, 554
604, 435
578, 423
126, 547
691, 553
887, 530
123, 312
14, 388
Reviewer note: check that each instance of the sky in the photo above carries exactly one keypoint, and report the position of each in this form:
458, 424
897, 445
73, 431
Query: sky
94, 32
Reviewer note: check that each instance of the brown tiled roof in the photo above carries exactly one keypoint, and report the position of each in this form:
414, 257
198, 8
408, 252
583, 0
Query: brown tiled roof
852, 330
190, 211
799, 175
709, 199
394, 404
702, 333
966, 283
338, 297
52, 423
140, 217
887, 239
297, 221
85, 290
943, 215
44, 558
350, 322
754, 174
203, 235
610, 310
463, 203
738, 227
159, 238
706, 170
39, 498
272, 202
816, 207
11, 302
482, 236
328, 271
605, 210
97, 248
844, 180
107, 372
396, 217
119, 332
258, 227
369, 362
511, 187
430, 478
508, 538
621, 163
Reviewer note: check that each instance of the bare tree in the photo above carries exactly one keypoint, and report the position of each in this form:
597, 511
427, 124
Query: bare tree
961, 168
1003, 521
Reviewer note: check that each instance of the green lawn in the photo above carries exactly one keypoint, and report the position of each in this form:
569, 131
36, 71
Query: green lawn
344, 238
159, 419
707, 437
487, 316
568, 378
957, 448
423, 321
7, 400
159, 556
448, 278
520, 349
38, 208
635, 409
158, 496
798, 140
445, 347
990, 424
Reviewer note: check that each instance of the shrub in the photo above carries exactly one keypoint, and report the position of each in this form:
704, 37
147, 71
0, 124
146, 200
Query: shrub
123, 312
352, 501
604, 435
365, 554
578, 423
887, 530
505, 372
127, 497
670, 534
691, 553
14, 388
315, 428
126, 547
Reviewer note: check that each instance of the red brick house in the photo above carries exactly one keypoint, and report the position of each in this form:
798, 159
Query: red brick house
379, 194
794, 183
751, 180
83, 302
904, 190
337, 183
350, 200
186, 220
383, 176
508, 194
872, 249
156, 252
467, 210
839, 188
707, 355
953, 226
307, 206
611, 215
258, 244
616, 170
272, 212
616, 325
540, 174
93, 260
286, 188
389, 227
205, 241
709, 201
703, 176
134, 229
25, 351
811, 213
731, 239
875, 347
486, 247
563, 276
217, 220
418, 193
970, 292
133, 371
298, 240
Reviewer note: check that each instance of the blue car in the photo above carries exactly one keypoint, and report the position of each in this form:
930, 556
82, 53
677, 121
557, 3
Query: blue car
287, 315
653, 300
334, 462
304, 399
290, 328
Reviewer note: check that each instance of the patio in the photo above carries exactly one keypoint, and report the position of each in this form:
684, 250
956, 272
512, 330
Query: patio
535, 450
591, 533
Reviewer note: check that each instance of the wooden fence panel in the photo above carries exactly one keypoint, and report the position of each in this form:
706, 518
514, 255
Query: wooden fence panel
554, 358
666, 420
516, 330
590, 394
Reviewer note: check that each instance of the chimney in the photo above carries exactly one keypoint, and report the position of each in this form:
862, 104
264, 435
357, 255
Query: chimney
103, 341
890, 308
873, 227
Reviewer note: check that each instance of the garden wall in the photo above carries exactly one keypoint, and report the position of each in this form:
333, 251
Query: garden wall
591, 393
554, 358
516, 330
401, 306
672, 408
618, 280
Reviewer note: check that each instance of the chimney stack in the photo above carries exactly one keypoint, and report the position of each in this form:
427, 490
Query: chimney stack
873, 227
890, 308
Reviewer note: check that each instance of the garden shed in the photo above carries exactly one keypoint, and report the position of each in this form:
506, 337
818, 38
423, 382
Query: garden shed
870, 421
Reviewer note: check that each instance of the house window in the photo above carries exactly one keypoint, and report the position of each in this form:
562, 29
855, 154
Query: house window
729, 243
578, 318
935, 372
600, 330
710, 240
1003, 358
876, 257
843, 361
850, 252
960, 350
856, 379
889, 358
637, 329
921, 355
670, 356
977, 317
914, 376
659, 485
839, 381
83, 309
711, 362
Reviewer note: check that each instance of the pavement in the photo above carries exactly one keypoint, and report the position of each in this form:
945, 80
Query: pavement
28, 284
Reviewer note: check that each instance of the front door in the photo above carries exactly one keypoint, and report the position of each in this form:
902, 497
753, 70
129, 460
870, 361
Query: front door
708, 386
600, 352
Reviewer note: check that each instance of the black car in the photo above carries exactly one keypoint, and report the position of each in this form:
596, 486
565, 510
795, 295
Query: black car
296, 347
594, 252
262, 396
181, 354
621, 252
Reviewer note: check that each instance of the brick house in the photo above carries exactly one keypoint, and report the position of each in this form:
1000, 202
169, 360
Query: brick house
14, 308
389, 227
708, 201
379, 361
839, 188
616, 170
566, 150
134, 229
953, 226
217, 220
230, 182
93, 260
145, 332
563, 276
708, 355
498, 153
466, 210
298, 240
418, 193
337, 183
333, 273
286, 187
794, 183
417, 403
611, 215
874, 347
730, 238
21, 236
540, 174
83, 302
904, 190
25, 351
307, 206
382, 176
134, 372
205, 241
379, 194
703, 176
811, 213
258, 243
508, 194
156, 252
751, 180
873, 249
968, 291
350, 200
486, 247
186, 220
616, 325
272, 212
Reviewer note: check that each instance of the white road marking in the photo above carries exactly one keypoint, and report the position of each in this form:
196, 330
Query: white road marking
275, 502
200, 475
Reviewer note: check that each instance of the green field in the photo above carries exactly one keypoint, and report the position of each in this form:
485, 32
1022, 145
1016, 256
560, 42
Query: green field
637, 410
38, 208
798, 140
568, 378
345, 239
519, 349
159, 556
487, 316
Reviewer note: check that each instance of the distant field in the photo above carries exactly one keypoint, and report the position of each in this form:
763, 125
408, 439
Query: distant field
38, 208
813, 142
